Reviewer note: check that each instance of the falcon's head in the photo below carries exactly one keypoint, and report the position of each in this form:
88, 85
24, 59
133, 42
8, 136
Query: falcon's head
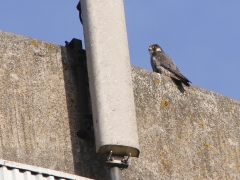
154, 48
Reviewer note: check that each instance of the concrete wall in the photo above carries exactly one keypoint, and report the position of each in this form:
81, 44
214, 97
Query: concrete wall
190, 135
184, 132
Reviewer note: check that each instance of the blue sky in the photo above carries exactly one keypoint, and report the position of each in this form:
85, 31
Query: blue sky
202, 37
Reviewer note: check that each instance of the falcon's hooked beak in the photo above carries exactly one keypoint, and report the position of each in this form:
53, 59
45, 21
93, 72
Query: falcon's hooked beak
150, 49
153, 48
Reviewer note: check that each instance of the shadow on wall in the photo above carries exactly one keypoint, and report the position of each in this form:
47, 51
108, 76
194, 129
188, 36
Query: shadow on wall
86, 162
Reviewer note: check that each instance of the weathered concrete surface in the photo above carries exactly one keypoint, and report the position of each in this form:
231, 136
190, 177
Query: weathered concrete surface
33, 112
190, 135
40, 110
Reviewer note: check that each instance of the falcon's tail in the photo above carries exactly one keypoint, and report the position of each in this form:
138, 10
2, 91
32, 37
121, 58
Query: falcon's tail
187, 83
182, 78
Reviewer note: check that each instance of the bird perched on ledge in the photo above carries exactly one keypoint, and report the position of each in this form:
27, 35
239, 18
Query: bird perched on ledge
163, 64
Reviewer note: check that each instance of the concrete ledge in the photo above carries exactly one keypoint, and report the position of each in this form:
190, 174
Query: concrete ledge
42, 108
188, 133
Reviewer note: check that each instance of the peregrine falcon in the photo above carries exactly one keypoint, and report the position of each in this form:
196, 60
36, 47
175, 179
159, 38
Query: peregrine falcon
163, 64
